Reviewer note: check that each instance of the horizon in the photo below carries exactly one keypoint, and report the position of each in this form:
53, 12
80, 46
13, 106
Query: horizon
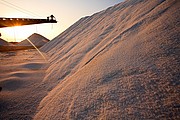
66, 13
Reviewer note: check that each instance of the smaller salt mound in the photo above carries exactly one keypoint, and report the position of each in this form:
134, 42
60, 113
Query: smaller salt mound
4, 43
37, 39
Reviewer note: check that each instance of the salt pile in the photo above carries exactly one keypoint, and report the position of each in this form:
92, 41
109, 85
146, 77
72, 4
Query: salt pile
120, 63
36, 39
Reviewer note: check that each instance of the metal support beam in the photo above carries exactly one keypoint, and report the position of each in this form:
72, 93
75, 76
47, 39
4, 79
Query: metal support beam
11, 22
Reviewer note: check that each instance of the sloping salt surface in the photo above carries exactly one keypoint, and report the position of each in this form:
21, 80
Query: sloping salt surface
4, 43
36, 39
21, 74
120, 63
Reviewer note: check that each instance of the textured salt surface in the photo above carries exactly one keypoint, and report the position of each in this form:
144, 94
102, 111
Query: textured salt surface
120, 63
21, 74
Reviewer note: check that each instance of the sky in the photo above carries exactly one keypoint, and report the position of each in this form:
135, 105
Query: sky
66, 13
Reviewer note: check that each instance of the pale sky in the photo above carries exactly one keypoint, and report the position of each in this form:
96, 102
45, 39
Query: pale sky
66, 12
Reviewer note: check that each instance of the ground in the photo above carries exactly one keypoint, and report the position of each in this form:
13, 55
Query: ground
21, 73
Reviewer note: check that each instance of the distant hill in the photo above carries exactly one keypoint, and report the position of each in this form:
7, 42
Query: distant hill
37, 39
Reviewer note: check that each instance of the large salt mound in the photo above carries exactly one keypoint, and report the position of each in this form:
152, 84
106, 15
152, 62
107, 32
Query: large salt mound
36, 39
4, 43
120, 63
